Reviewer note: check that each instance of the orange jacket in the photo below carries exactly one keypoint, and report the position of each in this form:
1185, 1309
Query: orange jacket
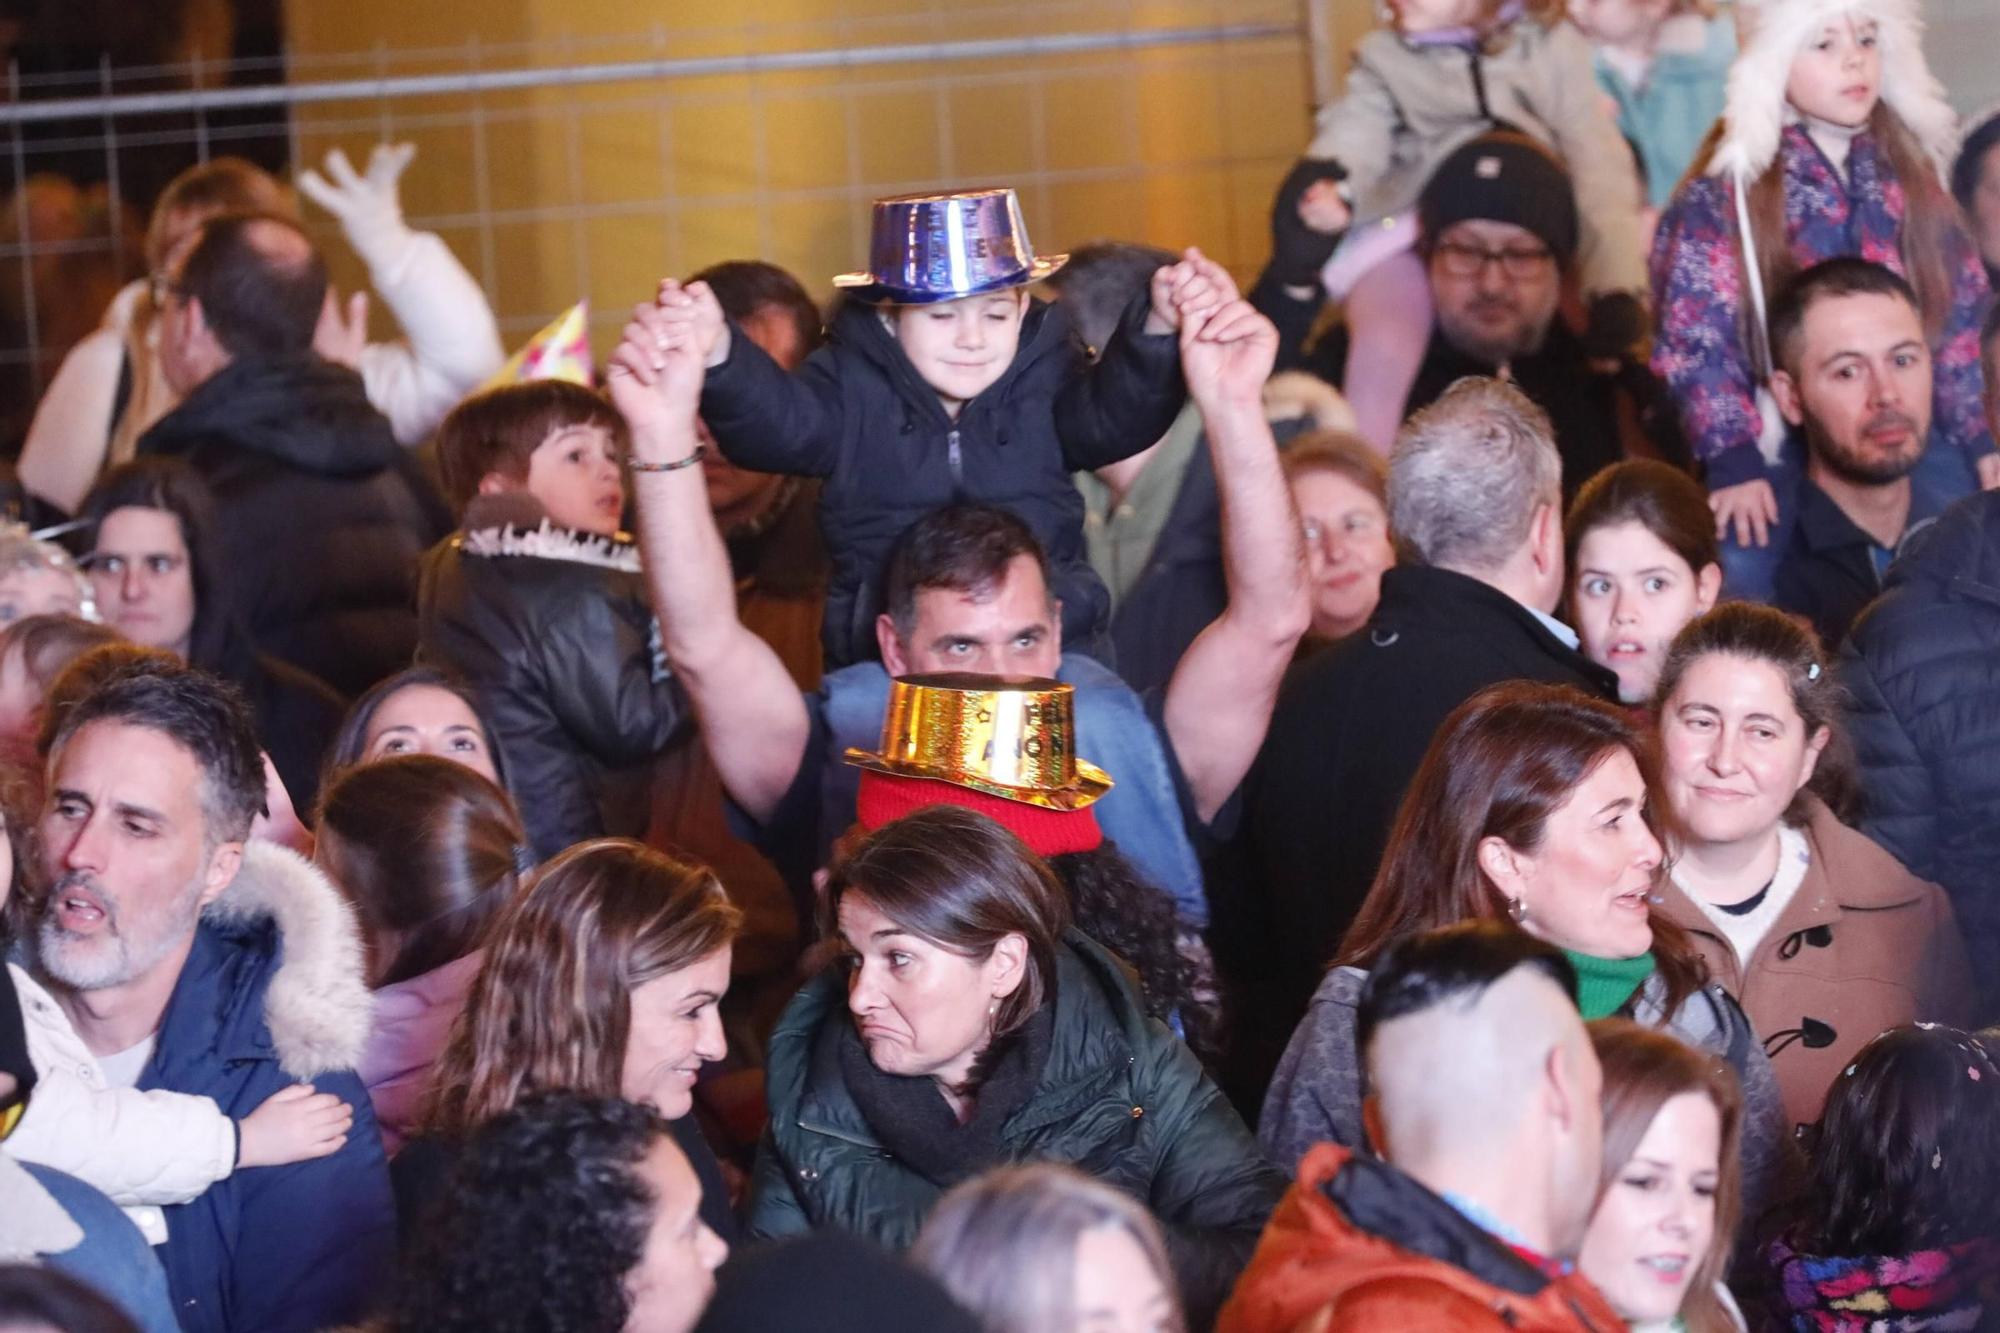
1355, 1246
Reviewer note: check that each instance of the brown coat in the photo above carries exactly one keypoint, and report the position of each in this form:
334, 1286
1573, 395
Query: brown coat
1350, 1251
1863, 946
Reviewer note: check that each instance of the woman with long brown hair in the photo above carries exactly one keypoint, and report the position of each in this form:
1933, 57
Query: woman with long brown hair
1670, 1194
427, 851
1536, 804
601, 977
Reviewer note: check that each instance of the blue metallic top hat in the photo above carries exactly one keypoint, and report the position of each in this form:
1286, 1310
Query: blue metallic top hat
941, 247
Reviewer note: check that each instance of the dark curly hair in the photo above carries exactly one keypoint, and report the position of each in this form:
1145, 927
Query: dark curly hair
1115, 904
32, 1297
545, 1217
1905, 1155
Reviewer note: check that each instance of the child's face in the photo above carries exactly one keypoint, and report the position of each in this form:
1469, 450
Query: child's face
38, 592
1838, 74
1619, 22
962, 347
575, 476
1420, 16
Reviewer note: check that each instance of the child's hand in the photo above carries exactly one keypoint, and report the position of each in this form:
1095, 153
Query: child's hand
294, 1124
694, 311
1322, 209
1752, 506
1989, 472
1188, 290
655, 375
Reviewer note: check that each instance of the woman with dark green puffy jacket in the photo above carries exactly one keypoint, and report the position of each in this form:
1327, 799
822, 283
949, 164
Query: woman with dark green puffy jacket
967, 1026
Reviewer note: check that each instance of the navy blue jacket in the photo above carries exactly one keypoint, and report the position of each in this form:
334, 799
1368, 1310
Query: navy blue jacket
269, 1249
858, 414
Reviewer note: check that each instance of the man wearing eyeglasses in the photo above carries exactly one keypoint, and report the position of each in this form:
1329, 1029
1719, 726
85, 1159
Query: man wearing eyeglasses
1498, 232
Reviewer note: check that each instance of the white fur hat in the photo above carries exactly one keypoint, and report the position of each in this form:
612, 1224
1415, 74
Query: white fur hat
1777, 30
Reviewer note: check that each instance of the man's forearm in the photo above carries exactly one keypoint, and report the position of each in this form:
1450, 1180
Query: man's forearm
1263, 551
686, 564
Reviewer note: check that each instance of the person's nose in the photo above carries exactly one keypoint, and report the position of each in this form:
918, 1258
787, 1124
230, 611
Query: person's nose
1624, 608
1678, 1220
86, 847
710, 1248
1885, 390
1646, 853
864, 996
132, 587
1722, 753
971, 333
1493, 279
710, 1043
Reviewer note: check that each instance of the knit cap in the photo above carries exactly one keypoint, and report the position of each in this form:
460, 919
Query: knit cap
1503, 176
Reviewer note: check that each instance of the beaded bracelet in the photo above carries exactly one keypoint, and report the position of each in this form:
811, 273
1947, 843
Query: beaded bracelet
640, 465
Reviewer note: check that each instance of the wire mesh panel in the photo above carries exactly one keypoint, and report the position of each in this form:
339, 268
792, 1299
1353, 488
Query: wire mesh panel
565, 161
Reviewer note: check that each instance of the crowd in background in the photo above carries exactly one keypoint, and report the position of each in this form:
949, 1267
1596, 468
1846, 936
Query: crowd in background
1457, 788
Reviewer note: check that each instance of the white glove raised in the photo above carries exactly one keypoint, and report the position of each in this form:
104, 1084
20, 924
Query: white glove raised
369, 209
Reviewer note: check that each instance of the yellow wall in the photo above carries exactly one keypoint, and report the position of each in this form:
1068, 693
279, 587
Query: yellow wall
598, 191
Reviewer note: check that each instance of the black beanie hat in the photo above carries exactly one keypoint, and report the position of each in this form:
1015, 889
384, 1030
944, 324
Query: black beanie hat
829, 1282
1503, 176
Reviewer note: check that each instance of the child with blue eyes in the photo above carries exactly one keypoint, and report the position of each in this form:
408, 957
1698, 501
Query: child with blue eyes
944, 381
1832, 144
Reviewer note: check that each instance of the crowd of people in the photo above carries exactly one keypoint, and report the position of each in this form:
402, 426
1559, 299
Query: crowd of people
1013, 803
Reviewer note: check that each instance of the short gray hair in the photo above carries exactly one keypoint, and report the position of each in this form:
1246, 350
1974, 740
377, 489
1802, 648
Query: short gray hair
1466, 475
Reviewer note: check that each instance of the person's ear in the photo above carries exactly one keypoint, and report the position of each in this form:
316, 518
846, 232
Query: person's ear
894, 660
1055, 622
1503, 867
1010, 964
1815, 747
498, 483
223, 863
1707, 587
1372, 1131
1548, 538
1558, 1088
1786, 390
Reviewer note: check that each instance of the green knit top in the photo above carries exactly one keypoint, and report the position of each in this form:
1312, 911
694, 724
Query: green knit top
1603, 985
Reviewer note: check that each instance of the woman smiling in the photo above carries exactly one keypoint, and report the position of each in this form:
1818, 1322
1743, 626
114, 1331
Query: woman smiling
1821, 934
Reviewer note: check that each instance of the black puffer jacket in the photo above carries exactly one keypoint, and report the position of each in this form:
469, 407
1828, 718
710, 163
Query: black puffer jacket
1120, 1098
1923, 668
858, 414
323, 515
554, 635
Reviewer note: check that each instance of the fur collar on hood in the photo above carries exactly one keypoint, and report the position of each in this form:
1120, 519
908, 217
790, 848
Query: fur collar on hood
1754, 113
318, 1007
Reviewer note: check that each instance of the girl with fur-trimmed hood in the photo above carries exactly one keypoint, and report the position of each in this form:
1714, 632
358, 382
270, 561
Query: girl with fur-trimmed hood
1833, 143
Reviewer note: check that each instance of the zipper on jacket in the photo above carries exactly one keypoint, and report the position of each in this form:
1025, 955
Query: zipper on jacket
956, 459
844, 1138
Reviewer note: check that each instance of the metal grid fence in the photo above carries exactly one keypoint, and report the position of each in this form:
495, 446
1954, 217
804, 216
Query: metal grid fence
589, 166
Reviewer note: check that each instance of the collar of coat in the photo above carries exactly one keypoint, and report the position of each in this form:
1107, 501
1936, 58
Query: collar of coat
549, 542
1099, 1027
317, 1008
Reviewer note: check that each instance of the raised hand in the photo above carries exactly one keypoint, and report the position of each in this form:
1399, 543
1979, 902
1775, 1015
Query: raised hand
655, 373
694, 313
369, 207
1750, 507
1227, 355
1188, 288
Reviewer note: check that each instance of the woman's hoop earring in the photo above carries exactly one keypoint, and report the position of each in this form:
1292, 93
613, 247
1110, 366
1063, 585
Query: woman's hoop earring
1517, 911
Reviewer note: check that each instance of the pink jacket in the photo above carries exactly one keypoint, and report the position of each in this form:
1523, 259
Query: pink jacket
412, 1022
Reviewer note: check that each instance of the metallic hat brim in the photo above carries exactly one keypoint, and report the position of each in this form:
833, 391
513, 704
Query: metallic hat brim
872, 290
1091, 782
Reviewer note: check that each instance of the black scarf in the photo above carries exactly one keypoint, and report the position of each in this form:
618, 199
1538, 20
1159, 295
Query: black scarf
917, 1124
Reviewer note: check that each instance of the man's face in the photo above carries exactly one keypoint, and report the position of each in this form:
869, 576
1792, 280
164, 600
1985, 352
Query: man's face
1012, 628
1496, 286
124, 853
1858, 379
736, 493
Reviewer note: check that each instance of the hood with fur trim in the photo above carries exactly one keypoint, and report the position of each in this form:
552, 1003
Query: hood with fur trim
1754, 112
318, 1007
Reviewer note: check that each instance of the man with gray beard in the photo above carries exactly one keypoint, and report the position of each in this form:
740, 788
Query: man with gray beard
189, 961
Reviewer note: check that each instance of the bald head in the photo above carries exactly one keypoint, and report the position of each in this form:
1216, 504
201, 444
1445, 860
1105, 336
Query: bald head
1482, 1080
256, 283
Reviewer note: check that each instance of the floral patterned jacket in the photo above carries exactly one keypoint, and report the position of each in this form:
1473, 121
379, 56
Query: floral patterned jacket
1698, 299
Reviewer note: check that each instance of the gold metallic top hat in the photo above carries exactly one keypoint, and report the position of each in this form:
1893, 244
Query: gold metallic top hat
1012, 738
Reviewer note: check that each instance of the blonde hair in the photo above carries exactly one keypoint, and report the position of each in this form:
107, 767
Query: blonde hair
1004, 1244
